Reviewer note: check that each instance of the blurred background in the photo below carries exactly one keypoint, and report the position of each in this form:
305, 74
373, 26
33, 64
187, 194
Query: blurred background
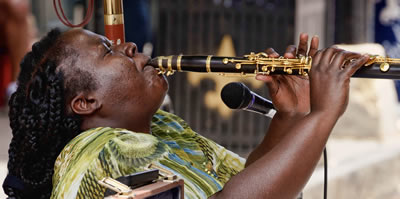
364, 149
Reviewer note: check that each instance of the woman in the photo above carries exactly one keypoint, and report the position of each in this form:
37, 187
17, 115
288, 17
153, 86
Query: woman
100, 103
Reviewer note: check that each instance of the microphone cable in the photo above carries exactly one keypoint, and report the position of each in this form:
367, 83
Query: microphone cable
325, 173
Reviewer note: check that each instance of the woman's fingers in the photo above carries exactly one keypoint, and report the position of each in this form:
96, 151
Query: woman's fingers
290, 52
329, 54
313, 46
270, 81
303, 45
335, 59
351, 68
342, 58
272, 53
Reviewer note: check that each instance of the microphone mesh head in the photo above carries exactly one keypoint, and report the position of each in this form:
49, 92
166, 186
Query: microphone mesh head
235, 95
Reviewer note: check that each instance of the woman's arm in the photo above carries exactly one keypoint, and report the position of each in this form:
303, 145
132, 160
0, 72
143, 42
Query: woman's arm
283, 171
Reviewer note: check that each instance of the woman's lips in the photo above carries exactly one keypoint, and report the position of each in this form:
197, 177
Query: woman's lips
152, 70
148, 67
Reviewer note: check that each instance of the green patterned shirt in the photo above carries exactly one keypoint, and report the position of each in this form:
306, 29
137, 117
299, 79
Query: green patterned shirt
106, 152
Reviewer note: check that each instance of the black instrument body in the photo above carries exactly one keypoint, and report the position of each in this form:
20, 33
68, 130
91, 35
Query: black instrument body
220, 65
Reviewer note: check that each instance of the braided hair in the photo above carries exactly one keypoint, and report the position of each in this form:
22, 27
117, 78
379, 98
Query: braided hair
40, 124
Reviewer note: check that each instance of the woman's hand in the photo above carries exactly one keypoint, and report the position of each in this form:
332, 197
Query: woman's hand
290, 94
330, 78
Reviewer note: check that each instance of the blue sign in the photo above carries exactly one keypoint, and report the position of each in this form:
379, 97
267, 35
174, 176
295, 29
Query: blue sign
387, 29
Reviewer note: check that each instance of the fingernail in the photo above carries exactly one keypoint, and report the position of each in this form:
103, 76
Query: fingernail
366, 56
288, 55
260, 77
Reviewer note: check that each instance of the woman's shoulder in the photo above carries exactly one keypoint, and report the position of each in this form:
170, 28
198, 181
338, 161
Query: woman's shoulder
92, 141
163, 118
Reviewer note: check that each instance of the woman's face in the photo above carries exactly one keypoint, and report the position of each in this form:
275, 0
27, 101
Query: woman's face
127, 87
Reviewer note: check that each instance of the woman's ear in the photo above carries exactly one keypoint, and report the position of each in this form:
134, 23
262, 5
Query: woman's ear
85, 104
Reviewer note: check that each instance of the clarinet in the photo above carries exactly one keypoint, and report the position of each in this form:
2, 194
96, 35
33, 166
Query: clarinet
250, 65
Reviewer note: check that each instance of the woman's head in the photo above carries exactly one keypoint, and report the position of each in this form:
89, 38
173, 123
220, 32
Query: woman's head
70, 82
128, 91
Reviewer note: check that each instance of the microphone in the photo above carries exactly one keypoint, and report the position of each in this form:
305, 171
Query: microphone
236, 95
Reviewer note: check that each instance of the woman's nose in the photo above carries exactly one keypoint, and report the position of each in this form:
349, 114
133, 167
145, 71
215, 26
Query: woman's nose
129, 48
